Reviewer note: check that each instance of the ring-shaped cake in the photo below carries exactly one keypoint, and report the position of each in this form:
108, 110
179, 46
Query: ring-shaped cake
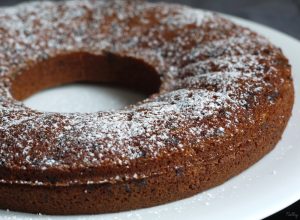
220, 96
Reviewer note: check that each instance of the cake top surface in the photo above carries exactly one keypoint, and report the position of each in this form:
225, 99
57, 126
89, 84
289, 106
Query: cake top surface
213, 73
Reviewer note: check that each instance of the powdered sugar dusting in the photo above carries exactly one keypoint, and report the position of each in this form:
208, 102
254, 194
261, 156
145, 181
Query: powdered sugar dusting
212, 70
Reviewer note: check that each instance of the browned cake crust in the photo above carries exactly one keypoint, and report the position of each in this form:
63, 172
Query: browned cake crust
221, 96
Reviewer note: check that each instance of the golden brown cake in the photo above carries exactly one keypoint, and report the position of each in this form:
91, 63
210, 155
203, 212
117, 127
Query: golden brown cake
220, 96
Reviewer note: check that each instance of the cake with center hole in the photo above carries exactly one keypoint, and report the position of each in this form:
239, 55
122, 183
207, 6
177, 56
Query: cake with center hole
219, 99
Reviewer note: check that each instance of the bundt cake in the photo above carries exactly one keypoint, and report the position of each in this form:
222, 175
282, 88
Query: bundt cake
219, 98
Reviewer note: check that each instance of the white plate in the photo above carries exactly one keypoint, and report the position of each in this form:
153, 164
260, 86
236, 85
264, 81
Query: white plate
267, 187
